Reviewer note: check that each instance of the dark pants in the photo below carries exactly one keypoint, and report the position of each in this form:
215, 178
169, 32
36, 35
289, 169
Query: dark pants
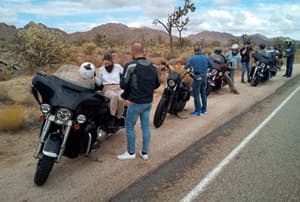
199, 87
289, 66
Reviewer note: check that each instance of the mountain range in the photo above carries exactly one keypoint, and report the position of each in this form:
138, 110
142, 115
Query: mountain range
122, 32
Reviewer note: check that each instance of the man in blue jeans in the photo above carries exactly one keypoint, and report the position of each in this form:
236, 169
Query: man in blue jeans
200, 65
139, 81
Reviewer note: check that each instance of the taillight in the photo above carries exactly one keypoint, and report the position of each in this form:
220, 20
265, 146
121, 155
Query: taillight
76, 127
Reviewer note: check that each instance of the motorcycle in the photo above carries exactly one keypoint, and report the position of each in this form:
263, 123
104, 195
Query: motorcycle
215, 78
263, 69
174, 96
75, 117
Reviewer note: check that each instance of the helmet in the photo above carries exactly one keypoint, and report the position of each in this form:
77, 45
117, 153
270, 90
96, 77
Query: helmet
87, 70
235, 46
289, 41
218, 50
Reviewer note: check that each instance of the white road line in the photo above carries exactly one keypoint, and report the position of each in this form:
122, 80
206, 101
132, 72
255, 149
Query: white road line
217, 170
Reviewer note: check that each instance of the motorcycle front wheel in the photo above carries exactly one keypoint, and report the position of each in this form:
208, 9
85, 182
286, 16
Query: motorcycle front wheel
160, 112
43, 169
254, 81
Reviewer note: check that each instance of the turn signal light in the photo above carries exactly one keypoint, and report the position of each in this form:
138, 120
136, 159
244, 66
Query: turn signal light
42, 118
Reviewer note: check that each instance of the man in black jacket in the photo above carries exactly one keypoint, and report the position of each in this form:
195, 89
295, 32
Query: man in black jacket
139, 81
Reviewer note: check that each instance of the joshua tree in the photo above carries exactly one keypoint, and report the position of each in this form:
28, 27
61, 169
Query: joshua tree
176, 19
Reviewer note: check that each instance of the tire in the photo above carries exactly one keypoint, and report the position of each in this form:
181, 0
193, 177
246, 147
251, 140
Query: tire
254, 81
43, 169
160, 112
208, 89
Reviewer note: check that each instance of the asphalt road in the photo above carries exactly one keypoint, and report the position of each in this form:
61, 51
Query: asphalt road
267, 169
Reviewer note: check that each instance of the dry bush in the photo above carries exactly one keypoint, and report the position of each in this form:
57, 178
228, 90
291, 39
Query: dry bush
88, 48
4, 76
11, 118
30, 120
4, 97
28, 101
38, 46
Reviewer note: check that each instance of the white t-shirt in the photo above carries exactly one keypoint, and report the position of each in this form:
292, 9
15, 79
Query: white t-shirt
105, 78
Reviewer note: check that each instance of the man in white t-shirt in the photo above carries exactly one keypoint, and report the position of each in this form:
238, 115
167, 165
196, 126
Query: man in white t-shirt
109, 77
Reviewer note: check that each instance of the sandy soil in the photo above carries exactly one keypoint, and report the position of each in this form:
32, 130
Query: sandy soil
101, 176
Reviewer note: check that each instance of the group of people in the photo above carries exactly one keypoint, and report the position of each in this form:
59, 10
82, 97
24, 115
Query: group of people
135, 84
137, 81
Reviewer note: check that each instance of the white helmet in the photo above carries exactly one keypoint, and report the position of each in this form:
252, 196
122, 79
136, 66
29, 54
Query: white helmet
87, 70
235, 46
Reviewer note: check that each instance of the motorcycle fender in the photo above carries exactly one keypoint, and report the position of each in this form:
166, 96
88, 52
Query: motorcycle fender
52, 145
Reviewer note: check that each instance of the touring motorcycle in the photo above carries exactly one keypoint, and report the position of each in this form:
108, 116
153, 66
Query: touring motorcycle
215, 78
265, 67
75, 116
174, 96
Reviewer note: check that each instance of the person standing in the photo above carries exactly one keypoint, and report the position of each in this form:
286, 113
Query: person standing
109, 77
140, 79
290, 56
200, 64
234, 57
245, 55
219, 62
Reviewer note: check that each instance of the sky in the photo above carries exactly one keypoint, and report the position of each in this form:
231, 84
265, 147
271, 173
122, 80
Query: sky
271, 18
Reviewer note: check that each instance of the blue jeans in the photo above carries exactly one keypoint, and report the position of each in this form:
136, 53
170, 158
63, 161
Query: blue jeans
232, 71
289, 66
199, 87
133, 112
245, 67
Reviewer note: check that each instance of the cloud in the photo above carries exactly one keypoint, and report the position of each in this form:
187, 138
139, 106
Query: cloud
222, 2
268, 19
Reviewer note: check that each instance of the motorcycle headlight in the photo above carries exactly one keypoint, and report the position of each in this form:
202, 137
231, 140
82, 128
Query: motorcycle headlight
45, 108
63, 114
262, 65
81, 118
171, 83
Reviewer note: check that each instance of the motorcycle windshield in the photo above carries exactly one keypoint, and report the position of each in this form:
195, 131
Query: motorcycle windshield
65, 88
70, 73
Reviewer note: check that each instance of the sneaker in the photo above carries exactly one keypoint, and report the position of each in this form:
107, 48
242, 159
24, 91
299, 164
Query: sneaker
126, 156
143, 156
204, 112
242, 81
196, 114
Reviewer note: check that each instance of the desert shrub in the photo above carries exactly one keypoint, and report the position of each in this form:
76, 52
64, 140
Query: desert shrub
38, 46
28, 101
11, 118
4, 76
4, 97
30, 120
88, 48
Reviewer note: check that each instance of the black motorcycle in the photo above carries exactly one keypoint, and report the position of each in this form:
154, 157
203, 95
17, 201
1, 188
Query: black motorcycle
74, 118
174, 97
264, 68
215, 76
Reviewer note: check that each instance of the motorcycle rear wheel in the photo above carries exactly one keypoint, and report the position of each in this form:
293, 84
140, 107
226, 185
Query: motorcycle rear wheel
160, 112
43, 169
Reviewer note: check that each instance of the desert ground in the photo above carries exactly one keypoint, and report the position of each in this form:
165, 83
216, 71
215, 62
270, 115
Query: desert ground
101, 176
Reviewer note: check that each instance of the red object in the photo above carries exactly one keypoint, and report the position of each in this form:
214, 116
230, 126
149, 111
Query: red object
42, 118
77, 126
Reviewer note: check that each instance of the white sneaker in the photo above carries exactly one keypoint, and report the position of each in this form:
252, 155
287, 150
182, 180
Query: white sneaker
126, 156
143, 156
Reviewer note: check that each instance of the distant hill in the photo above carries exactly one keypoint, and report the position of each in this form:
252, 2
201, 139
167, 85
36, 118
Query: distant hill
210, 36
122, 32
7, 32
